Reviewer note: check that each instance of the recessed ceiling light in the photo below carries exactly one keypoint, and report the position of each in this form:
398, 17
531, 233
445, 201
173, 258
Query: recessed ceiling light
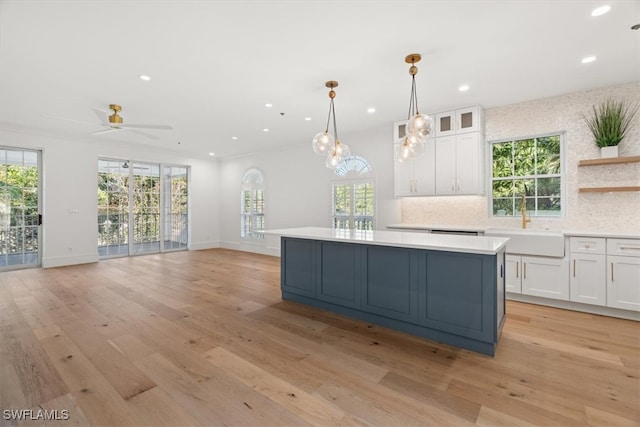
588, 59
307, 118
600, 10
145, 78
212, 154
268, 105
463, 88
265, 130
234, 138
371, 110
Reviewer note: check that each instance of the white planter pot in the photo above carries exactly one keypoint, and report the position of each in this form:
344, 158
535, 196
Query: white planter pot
607, 152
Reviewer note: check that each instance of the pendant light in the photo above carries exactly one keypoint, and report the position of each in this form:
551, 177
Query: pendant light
326, 144
419, 126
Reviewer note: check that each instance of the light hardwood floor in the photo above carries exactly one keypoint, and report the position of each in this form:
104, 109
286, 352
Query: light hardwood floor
203, 338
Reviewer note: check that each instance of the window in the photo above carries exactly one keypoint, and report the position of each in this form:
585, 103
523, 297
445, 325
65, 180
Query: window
353, 199
252, 205
531, 167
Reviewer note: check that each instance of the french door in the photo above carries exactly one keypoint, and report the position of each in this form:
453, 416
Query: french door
137, 210
20, 199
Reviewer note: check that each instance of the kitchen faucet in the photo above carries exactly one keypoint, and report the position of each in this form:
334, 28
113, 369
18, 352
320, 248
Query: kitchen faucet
523, 210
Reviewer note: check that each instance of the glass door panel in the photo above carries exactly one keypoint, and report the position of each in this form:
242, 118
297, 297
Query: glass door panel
19, 208
175, 196
145, 192
113, 208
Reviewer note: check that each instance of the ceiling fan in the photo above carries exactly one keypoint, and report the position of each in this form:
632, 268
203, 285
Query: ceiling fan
114, 123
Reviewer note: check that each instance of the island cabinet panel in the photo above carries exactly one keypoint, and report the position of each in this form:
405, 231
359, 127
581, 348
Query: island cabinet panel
339, 273
457, 294
452, 297
298, 266
391, 282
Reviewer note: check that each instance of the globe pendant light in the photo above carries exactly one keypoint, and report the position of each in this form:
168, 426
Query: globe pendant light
326, 144
419, 126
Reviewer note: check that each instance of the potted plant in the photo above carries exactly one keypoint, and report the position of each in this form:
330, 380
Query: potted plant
609, 124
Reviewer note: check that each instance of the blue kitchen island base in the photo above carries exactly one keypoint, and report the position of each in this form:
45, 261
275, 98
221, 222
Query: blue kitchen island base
456, 298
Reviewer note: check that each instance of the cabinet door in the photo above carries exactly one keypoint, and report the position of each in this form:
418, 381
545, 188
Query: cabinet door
513, 272
390, 283
399, 131
445, 165
416, 177
545, 277
623, 282
468, 120
445, 123
587, 281
404, 183
298, 266
468, 164
338, 278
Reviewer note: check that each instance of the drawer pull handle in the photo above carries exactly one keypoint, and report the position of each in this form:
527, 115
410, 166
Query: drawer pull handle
630, 248
587, 246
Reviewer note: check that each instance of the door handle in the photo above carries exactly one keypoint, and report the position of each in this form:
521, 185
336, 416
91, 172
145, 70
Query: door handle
39, 219
574, 268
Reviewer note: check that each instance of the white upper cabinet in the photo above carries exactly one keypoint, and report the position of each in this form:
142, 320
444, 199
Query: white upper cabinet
459, 121
459, 164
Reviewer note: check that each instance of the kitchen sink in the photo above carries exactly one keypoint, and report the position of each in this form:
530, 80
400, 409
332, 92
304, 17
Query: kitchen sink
531, 242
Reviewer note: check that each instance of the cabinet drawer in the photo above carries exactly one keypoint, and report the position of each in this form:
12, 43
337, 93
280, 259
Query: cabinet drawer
623, 247
588, 245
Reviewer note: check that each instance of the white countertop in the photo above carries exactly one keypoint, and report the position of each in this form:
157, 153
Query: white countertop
437, 242
483, 229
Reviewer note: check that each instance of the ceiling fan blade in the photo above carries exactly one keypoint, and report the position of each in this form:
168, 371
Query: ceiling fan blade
100, 132
162, 127
103, 116
148, 135
70, 120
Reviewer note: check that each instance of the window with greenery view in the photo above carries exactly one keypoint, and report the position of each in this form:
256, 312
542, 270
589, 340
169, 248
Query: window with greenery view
252, 205
531, 167
353, 199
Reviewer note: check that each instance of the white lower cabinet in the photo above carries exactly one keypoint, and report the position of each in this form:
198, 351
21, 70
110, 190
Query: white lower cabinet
623, 282
537, 276
513, 283
587, 277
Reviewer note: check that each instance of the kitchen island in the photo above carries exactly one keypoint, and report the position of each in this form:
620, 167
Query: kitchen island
441, 287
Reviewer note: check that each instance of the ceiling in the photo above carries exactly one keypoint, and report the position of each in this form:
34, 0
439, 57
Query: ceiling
215, 64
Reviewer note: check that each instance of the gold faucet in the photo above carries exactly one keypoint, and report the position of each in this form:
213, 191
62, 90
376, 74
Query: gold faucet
523, 210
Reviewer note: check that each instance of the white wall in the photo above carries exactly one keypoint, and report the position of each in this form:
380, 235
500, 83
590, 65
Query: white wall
70, 183
298, 187
597, 212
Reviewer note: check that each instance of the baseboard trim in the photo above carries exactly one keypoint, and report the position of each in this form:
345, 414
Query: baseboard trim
69, 260
576, 306
204, 245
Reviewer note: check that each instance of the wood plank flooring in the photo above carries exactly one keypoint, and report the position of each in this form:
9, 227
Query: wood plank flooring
203, 338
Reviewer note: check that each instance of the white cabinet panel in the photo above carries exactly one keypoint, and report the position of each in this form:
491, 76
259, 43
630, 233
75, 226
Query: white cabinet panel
587, 278
545, 277
415, 177
458, 166
623, 282
588, 245
468, 120
513, 269
623, 247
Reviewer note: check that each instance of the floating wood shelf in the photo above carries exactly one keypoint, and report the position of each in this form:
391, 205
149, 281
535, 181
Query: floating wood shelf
606, 189
609, 161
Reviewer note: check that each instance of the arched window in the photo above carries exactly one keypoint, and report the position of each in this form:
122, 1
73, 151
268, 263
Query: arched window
252, 205
353, 195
